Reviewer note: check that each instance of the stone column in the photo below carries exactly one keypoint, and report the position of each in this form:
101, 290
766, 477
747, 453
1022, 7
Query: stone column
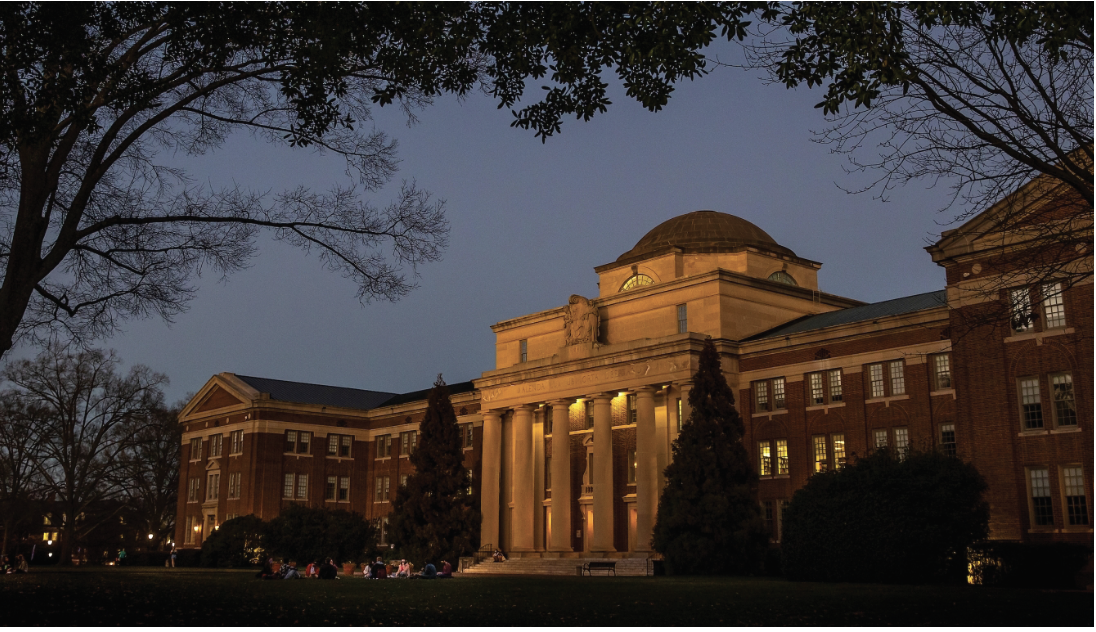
646, 468
561, 476
490, 470
603, 474
523, 479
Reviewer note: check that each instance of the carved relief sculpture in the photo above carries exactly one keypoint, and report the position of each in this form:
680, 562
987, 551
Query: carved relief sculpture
580, 323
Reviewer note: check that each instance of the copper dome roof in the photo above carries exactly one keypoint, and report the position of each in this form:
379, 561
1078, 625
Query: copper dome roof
704, 231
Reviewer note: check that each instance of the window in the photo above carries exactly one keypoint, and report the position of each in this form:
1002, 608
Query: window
1020, 310
1073, 478
408, 441
824, 387
344, 489
467, 435
781, 456
1031, 404
682, 319
762, 399
783, 277
287, 486
302, 486
384, 446
886, 379
1042, 512
547, 474
236, 442
547, 420
196, 449
339, 445
381, 495
819, 442
633, 414
1065, 410
329, 488
947, 439
764, 459
234, 485
1054, 313
901, 442
880, 439
839, 450
589, 407
192, 486
297, 442
215, 445
941, 371
524, 350
332, 445
680, 421
631, 467
193, 529
636, 280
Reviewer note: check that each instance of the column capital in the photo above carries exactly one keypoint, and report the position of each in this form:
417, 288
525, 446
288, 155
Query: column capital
497, 412
597, 396
523, 407
563, 401
646, 390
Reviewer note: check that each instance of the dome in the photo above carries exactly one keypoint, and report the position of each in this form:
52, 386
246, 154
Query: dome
704, 231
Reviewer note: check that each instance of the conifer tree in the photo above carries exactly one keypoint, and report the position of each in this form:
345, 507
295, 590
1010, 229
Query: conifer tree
435, 516
708, 518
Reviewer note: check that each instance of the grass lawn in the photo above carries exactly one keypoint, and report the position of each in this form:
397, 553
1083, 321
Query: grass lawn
136, 596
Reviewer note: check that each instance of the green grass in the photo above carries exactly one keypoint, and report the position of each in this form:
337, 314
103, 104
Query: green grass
134, 596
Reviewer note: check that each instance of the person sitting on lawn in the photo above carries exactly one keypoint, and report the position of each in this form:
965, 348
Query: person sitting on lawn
21, 566
329, 570
446, 570
378, 570
404, 570
428, 572
312, 570
5, 566
289, 571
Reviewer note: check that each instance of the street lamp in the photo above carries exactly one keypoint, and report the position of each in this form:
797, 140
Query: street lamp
150, 536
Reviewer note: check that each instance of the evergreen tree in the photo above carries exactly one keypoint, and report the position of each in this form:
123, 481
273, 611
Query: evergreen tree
435, 516
708, 518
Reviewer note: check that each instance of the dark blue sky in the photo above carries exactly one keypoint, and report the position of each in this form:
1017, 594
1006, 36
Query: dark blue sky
529, 223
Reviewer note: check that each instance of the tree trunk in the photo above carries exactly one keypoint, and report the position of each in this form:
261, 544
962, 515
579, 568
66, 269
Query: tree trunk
67, 537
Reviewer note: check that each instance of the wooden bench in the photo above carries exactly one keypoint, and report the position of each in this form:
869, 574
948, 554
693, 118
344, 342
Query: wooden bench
589, 567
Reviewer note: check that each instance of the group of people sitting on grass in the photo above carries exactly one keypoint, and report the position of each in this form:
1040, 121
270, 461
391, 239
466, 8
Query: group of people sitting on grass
375, 570
19, 567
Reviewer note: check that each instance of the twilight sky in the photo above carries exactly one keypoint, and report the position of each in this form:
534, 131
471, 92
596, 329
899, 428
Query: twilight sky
529, 223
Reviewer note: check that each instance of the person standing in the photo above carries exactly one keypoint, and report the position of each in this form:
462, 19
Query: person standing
173, 554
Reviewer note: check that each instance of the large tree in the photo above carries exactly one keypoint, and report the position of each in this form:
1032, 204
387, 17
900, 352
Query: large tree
981, 97
708, 520
100, 225
149, 476
21, 481
88, 414
434, 516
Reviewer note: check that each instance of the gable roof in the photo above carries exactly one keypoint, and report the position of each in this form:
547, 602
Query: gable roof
304, 393
893, 307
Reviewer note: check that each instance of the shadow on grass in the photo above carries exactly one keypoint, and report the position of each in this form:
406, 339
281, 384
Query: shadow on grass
158, 596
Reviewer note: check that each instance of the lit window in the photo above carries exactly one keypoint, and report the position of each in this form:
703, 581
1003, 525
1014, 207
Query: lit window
524, 350
1042, 509
783, 277
1076, 503
839, 450
344, 488
1020, 307
1065, 409
636, 280
947, 439
1054, 312
880, 439
1031, 403
631, 460
329, 488
680, 420
901, 442
215, 445
941, 371
898, 377
781, 456
818, 395
213, 486
764, 459
682, 319
875, 379
302, 486
819, 442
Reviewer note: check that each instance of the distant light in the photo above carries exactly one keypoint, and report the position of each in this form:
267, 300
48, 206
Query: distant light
51, 554
150, 536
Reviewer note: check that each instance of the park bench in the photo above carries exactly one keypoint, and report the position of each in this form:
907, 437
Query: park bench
589, 567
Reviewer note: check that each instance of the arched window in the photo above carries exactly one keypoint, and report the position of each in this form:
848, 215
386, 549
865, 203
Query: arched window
783, 277
636, 280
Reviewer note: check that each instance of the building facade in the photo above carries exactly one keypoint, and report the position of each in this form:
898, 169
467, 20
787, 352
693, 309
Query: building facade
570, 432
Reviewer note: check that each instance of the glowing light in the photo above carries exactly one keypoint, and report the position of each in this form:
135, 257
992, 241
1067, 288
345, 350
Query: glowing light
150, 536
49, 543
51, 554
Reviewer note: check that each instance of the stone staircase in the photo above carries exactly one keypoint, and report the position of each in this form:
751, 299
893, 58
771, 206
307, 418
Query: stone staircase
625, 566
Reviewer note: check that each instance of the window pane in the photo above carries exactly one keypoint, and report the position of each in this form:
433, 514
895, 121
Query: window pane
302, 486
839, 450
633, 413
1031, 403
682, 319
287, 486
947, 439
761, 397
290, 440
1065, 411
764, 459
1053, 309
875, 378
781, 456
819, 442
880, 439
901, 442
329, 489
344, 445
589, 405
898, 377
835, 386
1040, 496
778, 393
941, 370
332, 444
303, 441
817, 395
1076, 503
1020, 306
344, 488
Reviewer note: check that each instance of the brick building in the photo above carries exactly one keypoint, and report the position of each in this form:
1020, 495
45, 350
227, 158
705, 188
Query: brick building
588, 397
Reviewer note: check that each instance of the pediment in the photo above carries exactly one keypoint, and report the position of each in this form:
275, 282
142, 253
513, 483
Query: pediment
223, 391
217, 397
213, 464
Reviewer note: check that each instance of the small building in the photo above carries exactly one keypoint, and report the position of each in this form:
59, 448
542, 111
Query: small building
571, 430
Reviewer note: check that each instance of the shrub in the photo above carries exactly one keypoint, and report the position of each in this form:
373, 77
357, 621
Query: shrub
1022, 565
885, 519
305, 534
238, 542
